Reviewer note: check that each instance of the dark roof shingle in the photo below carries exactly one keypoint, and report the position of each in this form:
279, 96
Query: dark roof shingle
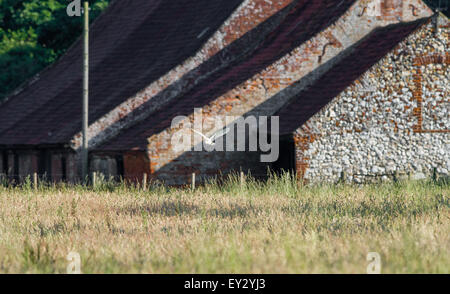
305, 19
132, 44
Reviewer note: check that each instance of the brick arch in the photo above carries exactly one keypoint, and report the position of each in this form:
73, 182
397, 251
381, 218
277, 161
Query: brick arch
417, 93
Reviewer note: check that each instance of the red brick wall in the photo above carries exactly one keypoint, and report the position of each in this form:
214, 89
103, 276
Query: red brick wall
392, 9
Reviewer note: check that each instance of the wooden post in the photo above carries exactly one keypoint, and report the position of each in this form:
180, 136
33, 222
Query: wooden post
242, 179
343, 177
435, 175
94, 179
193, 181
395, 176
85, 108
144, 182
35, 181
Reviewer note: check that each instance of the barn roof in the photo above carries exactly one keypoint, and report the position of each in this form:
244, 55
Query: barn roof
132, 44
305, 19
136, 42
363, 56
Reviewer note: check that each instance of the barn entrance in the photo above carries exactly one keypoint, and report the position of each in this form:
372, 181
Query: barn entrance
286, 159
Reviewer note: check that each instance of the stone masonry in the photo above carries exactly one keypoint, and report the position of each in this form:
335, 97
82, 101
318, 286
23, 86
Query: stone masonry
265, 92
393, 120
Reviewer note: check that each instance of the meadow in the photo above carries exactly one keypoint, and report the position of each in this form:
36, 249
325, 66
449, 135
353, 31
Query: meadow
278, 226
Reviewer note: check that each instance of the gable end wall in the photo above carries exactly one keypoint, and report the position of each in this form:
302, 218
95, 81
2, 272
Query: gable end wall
393, 121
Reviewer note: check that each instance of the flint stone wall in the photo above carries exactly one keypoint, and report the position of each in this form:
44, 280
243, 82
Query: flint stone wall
394, 119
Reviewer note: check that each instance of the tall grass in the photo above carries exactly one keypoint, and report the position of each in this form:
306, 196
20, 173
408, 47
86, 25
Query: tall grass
273, 226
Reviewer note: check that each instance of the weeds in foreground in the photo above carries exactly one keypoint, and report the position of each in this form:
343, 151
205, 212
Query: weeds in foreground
273, 226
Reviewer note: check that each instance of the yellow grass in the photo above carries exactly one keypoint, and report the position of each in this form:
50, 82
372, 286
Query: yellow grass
273, 227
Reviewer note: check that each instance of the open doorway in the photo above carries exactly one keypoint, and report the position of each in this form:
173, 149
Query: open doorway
44, 165
286, 159
4, 167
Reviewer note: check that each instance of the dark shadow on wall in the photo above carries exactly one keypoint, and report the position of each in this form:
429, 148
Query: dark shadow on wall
210, 164
213, 164
255, 51
328, 81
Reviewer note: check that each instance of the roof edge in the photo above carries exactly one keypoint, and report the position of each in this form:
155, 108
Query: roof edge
420, 24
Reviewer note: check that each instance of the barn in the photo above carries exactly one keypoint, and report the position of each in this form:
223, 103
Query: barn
354, 89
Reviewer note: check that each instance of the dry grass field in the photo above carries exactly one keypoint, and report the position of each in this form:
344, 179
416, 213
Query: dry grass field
272, 227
